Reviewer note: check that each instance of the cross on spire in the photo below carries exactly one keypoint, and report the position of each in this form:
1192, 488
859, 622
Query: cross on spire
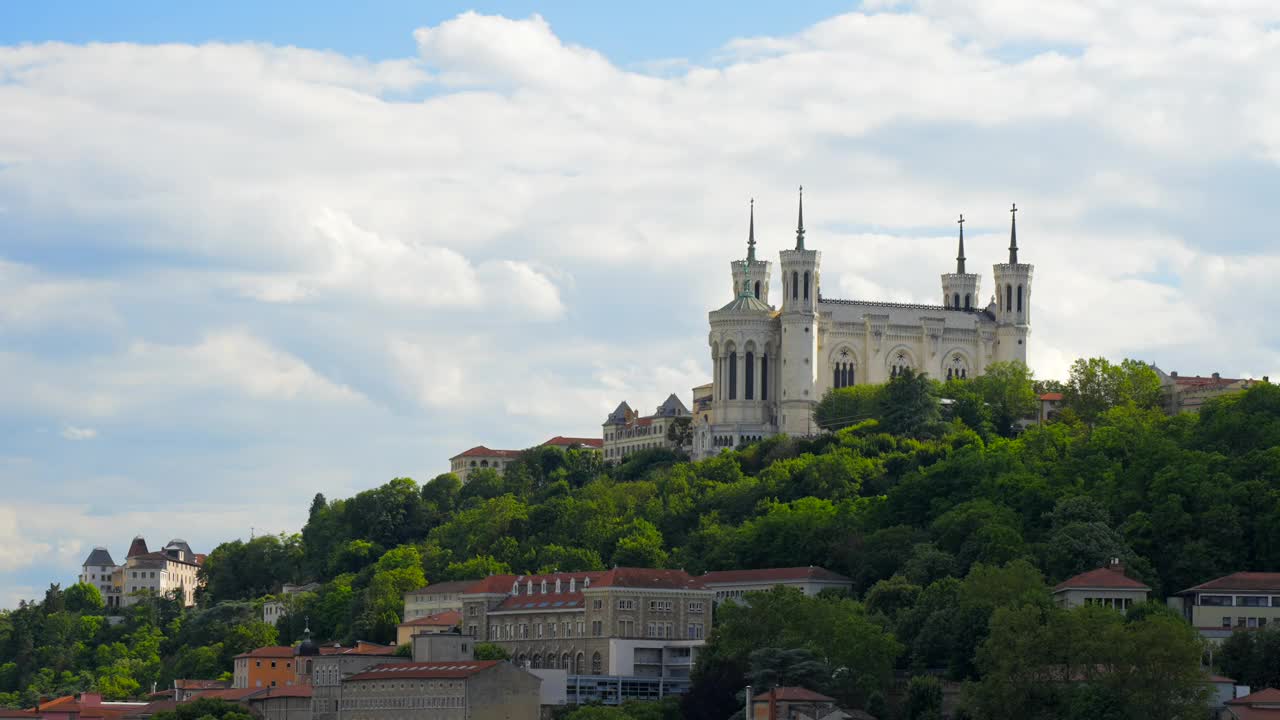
800, 222
751, 234
960, 256
1013, 234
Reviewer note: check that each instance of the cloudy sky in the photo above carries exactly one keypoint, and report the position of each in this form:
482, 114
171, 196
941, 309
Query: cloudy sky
252, 256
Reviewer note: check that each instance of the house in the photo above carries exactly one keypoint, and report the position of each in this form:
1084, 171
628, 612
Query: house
1107, 586
480, 458
85, 706
270, 666
811, 580
172, 570
625, 431
1239, 601
434, 599
278, 607
1050, 403
470, 690
1262, 705
1189, 393
439, 623
280, 703
791, 703
184, 690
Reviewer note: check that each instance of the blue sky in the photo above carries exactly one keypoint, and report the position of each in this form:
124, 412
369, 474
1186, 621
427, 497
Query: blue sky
256, 252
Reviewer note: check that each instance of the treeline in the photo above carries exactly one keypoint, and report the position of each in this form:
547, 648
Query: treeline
910, 497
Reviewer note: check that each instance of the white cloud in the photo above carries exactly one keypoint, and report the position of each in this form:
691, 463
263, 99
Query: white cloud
71, 432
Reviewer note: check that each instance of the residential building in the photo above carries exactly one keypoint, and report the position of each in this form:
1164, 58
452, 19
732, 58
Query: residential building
811, 580
1261, 705
620, 622
441, 622
626, 432
184, 690
1189, 393
281, 703
278, 607
481, 457
790, 703
771, 365
99, 571
325, 669
1242, 600
1050, 405
434, 599
1107, 586
464, 690
85, 706
271, 666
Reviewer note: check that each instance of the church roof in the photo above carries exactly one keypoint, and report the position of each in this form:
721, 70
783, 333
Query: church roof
619, 415
672, 407
746, 304
100, 557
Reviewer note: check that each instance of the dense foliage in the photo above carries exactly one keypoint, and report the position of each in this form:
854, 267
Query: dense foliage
944, 520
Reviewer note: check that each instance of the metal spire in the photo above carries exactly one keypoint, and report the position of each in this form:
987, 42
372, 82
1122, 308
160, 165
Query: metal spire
960, 257
1013, 235
751, 234
800, 222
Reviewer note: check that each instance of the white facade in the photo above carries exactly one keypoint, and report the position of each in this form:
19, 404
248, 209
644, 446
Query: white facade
624, 432
772, 365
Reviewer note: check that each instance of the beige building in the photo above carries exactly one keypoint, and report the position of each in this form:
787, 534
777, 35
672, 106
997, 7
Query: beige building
1107, 586
441, 622
626, 432
481, 457
99, 571
1188, 393
435, 599
171, 570
1243, 600
811, 580
459, 690
620, 622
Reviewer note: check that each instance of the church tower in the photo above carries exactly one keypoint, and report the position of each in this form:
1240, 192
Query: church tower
1013, 300
755, 272
800, 287
960, 289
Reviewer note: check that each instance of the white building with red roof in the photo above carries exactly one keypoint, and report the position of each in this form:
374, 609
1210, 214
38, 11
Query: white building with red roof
810, 580
1262, 705
1107, 586
1239, 601
481, 457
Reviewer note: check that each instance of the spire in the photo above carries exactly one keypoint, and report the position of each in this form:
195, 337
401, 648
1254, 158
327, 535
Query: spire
800, 222
960, 257
1013, 235
751, 234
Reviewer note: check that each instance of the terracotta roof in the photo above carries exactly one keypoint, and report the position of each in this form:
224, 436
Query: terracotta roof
448, 618
650, 578
1101, 578
1051, 397
57, 703
271, 651
230, 694
501, 584
794, 694
1197, 380
360, 648
538, 601
200, 684
1244, 712
725, 577
482, 451
425, 671
562, 441
1243, 581
454, 586
1267, 696
156, 706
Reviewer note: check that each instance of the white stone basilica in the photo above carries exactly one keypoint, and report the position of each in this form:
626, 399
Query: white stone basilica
772, 366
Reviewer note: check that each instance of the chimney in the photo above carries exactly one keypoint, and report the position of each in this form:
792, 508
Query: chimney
1173, 374
1115, 565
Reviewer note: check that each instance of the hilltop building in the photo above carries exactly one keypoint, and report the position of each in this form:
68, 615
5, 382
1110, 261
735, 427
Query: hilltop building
772, 365
170, 570
1188, 393
626, 431
481, 457
1107, 586
1242, 600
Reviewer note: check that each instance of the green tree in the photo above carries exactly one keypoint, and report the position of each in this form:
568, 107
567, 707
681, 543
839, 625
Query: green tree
83, 597
202, 708
640, 546
1008, 389
490, 651
847, 406
908, 406
924, 699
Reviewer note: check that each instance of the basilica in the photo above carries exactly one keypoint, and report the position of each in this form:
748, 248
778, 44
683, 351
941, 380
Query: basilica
772, 365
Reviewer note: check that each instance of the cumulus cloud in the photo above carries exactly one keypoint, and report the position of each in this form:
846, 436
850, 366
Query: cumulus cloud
71, 432
280, 257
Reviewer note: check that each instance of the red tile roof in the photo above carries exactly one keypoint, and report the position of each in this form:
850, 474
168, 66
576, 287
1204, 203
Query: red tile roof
1266, 696
1051, 397
1105, 578
425, 671
645, 578
1244, 712
1243, 581
7, 713
360, 648
271, 651
200, 684
229, 694
549, 601
649, 578
482, 451
448, 618
761, 575
562, 441
1202, 380
794, 694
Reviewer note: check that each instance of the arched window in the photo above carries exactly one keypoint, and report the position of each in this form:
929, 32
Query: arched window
757, 289
750, 376
1008, 298
597, 664
578, 663
536, 663
842, 374
733, 375
795, 284
955, 302
764, 377
968, 301
484, 463
900, 363
806, 284
565, 662
957, 367
1019, 298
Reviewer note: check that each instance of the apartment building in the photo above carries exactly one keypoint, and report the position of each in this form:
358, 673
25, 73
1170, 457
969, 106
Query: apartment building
620, 622
811, 580
1242, 600
625, 431
435, 599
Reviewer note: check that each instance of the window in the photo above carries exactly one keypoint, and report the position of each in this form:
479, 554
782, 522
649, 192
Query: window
843, 372
900, 364
597, 604
1251, 601
597, 628
1019, 298
751, 376
806, 284
757, 289
627, 604
597, 664
1217, 600
695, 607
733, 375
473, 611
1008, 298
538, 630
795, 285
955, 302
660, 606
764, 377
968, 301
695, 631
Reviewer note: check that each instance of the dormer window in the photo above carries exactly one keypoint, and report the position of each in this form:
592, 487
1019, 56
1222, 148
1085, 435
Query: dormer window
586, 583
515, 588
573, 584
544, 587
557, 586
529, 584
